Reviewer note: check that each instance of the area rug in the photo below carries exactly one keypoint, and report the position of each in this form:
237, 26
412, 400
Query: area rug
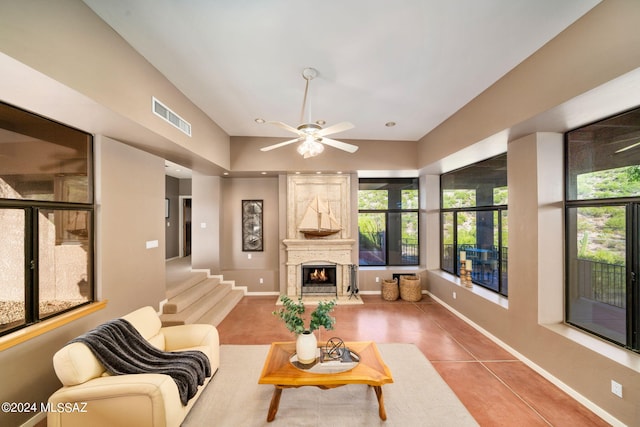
417, 397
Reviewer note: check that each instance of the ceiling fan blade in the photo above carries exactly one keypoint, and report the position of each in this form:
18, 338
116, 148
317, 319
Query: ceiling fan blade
340, 127
285, 127
340, 145
281, 144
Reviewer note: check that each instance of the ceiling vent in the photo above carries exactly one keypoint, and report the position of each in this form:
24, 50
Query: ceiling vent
164, 112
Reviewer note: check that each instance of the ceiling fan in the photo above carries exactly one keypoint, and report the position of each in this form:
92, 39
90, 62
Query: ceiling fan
312, 135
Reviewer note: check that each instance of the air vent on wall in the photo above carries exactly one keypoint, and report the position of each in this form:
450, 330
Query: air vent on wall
164, 112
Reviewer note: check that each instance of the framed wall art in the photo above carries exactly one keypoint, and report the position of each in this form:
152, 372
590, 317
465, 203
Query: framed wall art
252, 236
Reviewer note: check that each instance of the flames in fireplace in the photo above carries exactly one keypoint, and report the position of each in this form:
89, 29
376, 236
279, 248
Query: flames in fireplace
318, 279
318, 276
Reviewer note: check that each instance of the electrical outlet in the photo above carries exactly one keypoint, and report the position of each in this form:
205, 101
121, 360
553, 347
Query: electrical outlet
454, 295
248, 256
616, 388
377, 280
261, 281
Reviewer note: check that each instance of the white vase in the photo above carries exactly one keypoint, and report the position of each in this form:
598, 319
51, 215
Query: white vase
306, 346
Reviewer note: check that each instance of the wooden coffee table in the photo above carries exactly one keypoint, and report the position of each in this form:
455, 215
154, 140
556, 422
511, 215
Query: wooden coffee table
280, 371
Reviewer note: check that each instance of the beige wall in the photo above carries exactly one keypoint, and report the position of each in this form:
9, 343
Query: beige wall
130, 204
371, 155
206, 205
65, 40
235, 264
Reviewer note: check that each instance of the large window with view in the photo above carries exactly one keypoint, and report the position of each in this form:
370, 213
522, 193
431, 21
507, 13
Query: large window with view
388, 221
473, 207
603, 228
46, 218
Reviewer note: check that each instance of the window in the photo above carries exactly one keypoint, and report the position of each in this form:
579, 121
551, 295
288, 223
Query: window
473, 209
602, 228
46, 218
388, 221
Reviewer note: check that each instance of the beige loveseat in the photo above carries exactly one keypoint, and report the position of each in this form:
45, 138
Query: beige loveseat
92, 397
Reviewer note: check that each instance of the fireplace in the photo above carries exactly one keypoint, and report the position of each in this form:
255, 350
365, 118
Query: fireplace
304, 252
318, 280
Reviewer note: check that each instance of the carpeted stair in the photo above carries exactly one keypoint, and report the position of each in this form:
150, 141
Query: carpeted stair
199, 299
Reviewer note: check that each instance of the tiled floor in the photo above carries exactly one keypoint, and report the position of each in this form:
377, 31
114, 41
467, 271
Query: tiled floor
497, 389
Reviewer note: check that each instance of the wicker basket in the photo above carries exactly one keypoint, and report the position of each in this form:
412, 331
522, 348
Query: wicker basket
410, 289
390, 291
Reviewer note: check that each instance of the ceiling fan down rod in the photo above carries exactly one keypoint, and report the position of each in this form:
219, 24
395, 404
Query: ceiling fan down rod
308, 74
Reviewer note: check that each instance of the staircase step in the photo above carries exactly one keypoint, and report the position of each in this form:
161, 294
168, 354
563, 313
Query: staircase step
184, 299
196, 310
186, 283
218, 312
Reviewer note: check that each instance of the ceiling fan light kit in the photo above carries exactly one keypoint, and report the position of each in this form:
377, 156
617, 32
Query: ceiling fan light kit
312, 135
310, 148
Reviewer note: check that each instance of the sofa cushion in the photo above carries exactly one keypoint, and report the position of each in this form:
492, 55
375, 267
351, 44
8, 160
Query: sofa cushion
147, 322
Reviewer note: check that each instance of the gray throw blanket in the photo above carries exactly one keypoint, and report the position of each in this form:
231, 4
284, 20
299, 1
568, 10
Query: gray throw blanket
121, 349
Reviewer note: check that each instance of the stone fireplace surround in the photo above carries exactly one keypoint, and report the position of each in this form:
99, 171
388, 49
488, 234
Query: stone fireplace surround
335, 249
318, 252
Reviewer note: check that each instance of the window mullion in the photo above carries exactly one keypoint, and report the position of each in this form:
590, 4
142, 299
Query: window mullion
31, 244
633, 289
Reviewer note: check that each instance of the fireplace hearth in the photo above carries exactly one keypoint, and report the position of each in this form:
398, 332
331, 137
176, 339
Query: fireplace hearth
318, 280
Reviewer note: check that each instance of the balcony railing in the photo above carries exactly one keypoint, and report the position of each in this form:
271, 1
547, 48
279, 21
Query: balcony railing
602, 282
489, 270
598, 281
373, 250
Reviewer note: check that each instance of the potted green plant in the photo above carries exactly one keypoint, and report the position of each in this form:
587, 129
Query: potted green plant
291, 314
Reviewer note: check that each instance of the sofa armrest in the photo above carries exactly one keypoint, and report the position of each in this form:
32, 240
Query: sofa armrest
194, 337
122, 400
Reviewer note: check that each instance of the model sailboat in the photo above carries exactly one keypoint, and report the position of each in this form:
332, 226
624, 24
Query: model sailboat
318, 220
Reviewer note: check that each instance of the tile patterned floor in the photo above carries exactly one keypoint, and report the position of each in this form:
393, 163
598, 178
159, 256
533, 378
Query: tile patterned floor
497, 389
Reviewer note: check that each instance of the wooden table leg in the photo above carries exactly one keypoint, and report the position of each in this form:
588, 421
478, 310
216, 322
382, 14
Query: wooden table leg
382, 411
275, 402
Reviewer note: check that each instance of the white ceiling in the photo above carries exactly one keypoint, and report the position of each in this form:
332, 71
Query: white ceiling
414, 62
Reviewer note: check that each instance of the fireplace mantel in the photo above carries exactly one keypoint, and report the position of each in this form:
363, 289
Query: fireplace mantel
301, 244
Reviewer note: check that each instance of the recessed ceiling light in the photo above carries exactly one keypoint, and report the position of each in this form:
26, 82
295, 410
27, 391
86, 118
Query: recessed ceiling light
225, 173
259, 121
390, 124
339, 172
263, 173
319, 172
